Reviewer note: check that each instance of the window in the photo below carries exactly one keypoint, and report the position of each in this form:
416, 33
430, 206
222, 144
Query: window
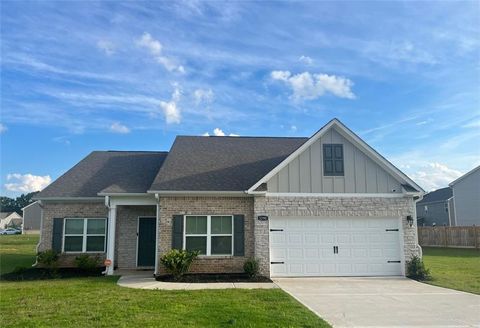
209, 234
84, 235
446, 206
333, 160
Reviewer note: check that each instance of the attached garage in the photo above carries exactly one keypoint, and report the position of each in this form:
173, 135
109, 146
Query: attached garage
335, 246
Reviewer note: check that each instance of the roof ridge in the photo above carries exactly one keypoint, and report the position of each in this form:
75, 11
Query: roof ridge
241, 137
132, 151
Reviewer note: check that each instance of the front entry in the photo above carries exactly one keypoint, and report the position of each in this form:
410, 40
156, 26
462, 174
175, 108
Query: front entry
146, 242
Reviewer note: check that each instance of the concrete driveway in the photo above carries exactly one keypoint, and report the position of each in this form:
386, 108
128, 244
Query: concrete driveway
384, 302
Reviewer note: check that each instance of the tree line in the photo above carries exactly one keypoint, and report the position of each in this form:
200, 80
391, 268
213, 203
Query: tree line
8, 204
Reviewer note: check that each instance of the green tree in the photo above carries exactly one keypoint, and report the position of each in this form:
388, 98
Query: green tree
8, 204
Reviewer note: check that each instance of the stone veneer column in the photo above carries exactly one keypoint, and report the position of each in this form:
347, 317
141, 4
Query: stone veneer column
261, 233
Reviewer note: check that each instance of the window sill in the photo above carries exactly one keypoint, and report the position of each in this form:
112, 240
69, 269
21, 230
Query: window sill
214, 257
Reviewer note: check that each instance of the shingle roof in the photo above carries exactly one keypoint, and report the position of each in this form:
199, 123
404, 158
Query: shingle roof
107, 171
221, 163
3, 215
437, 195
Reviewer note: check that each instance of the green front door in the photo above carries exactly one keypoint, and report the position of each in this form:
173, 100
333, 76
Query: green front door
146, 242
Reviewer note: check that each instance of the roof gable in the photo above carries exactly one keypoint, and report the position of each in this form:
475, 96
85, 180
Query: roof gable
353, 139
464, 176
438, 195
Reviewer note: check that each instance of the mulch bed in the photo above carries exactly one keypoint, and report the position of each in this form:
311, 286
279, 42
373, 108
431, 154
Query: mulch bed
213, 277
29, 274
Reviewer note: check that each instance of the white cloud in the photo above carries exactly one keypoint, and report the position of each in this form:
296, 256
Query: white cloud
293, 128
435, 175
27, 182
117, 127
312, 86
3, 128
219, 133
473, 124
171, 110
106, 46
305, 60
156, 50
203, 95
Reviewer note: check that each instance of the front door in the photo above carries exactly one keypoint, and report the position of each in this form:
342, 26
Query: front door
146, 242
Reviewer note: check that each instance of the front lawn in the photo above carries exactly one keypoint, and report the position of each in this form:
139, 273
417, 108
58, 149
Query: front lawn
17, 251
100, 302
456, 268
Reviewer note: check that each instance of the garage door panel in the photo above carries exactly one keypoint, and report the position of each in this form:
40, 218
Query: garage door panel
306, 246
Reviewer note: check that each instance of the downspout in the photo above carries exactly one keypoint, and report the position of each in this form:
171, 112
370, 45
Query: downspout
41, 233
157, 225
415, 201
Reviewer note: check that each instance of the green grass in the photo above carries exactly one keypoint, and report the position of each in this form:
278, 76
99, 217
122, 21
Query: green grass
455, 268
100, 302
17, 251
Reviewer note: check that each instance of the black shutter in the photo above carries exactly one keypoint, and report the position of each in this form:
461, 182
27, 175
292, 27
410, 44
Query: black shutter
177, 232
238, 235
57, 235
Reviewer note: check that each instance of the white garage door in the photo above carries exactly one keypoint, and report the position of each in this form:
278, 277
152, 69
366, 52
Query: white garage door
314, 246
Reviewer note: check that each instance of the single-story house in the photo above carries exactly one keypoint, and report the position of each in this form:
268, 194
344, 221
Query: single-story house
466, 198
32, 215
10, 220
328, 205
436, 208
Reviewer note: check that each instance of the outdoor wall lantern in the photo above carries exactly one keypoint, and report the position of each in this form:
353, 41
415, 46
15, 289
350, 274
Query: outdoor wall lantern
410, 220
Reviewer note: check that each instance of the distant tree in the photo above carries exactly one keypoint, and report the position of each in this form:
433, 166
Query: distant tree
8, 204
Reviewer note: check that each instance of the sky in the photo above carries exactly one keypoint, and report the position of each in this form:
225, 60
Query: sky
84, 76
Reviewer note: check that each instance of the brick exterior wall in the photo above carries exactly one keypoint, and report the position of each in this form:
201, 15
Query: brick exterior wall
331, 207
170, 206
67, 210
126, 234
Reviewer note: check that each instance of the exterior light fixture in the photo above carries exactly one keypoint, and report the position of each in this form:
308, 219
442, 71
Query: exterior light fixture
410, 220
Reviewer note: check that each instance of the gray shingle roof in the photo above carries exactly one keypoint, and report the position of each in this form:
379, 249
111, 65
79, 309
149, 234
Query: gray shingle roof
437, 196
107, 171
221, 163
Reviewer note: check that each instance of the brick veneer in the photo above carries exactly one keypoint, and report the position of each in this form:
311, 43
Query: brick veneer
331, 207
170, 206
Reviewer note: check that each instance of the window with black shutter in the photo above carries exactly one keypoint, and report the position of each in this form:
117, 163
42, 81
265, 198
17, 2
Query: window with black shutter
333, 160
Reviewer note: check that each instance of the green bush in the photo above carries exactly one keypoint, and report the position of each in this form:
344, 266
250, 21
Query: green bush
87, 262
48, 258
251, 267
416, 269
177, 262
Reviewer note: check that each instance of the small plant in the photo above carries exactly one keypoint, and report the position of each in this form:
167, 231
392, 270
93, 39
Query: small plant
86, 262
251, 267
19, 270
49, 259
178, 262
416, 269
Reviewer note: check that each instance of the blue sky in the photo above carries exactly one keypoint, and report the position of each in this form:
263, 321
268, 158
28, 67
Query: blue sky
78, 77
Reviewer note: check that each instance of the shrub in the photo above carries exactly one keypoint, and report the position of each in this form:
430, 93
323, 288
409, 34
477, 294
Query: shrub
416, 269
48, 258
177, 262
251, 267
87, 262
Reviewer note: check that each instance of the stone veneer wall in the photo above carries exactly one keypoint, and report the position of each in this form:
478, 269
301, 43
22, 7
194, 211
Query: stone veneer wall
53, 210
170, 206
331, 207
126, 234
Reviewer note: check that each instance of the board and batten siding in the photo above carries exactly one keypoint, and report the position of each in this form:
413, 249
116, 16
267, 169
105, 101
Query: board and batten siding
304, 174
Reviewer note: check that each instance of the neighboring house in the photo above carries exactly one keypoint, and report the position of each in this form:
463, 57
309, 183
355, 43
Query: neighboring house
10, 219
328, 205
32, 215
436, 208
466, 198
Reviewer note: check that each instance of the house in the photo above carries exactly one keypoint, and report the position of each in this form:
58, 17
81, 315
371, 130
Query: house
32, 215
328, 205
10, 220
466, 198
436, 208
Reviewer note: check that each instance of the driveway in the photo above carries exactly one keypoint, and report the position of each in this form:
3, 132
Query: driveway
384, 302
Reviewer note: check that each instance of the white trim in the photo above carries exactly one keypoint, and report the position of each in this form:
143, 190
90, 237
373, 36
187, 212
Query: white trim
199, 193
137, 194
112, 222
401, 240
339, 195
146, 200
77, 199
352, 137
84, 236
157, 214
138, 238
464, 176
208, 235
35, 202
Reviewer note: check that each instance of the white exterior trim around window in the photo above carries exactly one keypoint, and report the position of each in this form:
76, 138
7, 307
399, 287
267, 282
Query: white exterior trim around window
355, 140
208, 235
84, 235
